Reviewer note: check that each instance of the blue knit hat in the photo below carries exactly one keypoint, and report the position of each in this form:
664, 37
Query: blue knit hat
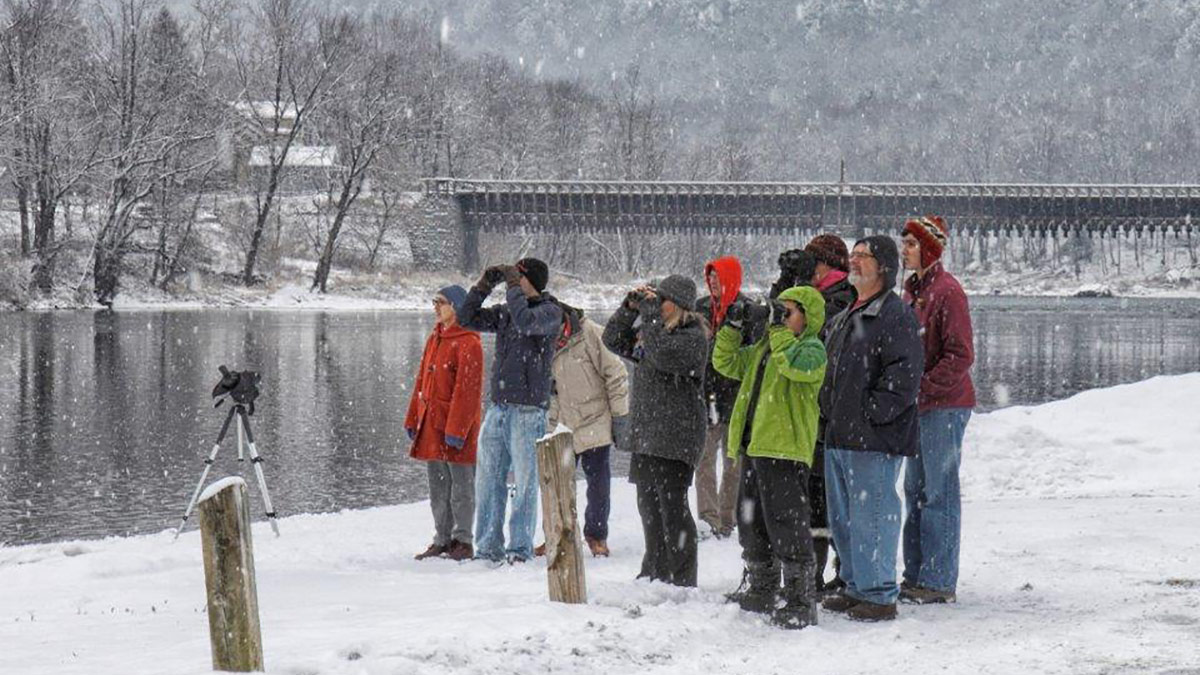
456, 295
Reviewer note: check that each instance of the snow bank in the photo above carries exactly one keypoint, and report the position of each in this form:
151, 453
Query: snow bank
1079, 555
1117, 441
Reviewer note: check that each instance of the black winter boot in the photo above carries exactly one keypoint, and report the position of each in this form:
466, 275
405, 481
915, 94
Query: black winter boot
799, 607
759, 588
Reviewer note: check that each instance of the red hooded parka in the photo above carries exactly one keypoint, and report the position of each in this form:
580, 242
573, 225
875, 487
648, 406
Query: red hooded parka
446, 396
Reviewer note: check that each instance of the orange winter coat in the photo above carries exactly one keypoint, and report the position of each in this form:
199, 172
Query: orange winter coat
446, 397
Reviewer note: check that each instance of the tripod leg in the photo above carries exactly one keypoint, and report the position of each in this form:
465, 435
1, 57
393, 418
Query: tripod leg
208, 464
241, 441
257, 461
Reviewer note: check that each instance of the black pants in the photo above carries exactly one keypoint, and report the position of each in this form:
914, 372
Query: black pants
598, 471
670, 531
773, 516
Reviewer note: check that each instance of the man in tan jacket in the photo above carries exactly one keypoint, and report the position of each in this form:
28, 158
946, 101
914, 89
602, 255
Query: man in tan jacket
591, 388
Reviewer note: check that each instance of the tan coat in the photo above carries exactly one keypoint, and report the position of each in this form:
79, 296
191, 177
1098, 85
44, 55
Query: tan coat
591, 387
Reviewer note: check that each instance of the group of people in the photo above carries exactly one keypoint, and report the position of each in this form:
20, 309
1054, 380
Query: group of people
806, 404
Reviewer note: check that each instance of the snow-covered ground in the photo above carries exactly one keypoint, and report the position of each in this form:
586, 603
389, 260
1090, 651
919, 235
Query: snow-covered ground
1080, 555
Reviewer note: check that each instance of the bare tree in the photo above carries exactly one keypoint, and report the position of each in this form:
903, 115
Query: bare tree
286, 67
364, 117
51, 144
144, 94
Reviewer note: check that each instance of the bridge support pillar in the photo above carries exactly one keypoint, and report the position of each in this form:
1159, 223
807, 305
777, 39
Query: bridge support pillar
440, 238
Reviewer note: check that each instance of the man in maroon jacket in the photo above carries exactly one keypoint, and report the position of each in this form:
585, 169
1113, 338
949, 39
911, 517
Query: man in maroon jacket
931, 488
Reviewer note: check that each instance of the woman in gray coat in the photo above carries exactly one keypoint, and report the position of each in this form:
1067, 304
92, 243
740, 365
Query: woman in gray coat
667, 418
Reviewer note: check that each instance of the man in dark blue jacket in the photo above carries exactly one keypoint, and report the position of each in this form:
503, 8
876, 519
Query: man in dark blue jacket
526, 327
869, 400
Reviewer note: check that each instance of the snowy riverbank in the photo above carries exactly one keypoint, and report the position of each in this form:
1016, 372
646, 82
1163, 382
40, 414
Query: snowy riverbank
1080, 556
289, 289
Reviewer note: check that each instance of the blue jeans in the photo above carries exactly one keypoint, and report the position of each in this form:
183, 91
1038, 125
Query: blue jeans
864, 519
507, 442
933, 500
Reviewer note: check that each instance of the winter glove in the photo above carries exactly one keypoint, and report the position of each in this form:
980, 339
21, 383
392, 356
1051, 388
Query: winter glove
412, 435
735, 316
776, 312
512, 276
620, 431
455, 442
491, 276
632, 299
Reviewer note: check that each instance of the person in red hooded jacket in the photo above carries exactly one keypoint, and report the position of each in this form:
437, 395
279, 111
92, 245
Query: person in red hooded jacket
717, 505
443, 424
931, 487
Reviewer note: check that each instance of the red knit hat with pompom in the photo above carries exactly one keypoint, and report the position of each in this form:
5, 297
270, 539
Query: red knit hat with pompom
931, 232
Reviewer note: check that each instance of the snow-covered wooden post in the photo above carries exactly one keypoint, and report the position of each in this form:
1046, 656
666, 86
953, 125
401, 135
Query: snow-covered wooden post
233, 625
564, 546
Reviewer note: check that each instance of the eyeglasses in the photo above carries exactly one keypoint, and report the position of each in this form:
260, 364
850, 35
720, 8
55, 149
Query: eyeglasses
859, 255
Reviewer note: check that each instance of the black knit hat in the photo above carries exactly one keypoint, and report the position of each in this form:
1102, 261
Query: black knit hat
679, 290
535, 271
886, 254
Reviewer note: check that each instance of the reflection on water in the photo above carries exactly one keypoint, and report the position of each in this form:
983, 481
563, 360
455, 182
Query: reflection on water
105, 418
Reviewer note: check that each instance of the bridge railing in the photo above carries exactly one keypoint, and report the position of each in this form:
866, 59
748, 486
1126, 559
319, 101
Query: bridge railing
543, 205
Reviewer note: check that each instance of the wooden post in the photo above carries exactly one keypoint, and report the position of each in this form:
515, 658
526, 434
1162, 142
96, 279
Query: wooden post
564, 546
233, 624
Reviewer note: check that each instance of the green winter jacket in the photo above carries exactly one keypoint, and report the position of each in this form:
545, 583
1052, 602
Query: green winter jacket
785, 419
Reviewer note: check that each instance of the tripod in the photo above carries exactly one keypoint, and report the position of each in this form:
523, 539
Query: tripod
243, 428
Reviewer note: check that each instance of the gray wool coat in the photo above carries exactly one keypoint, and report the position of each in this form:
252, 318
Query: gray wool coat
667, 414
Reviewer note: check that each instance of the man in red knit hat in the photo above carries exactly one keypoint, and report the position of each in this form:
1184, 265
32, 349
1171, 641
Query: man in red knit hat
931, 488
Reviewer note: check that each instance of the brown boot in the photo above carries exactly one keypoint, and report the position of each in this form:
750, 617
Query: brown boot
599, 547
919, 595
869, 611
434, 551
460, 551
539, 550
838, 602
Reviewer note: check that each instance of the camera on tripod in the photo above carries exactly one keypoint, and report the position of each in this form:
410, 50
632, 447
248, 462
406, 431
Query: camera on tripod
240, 385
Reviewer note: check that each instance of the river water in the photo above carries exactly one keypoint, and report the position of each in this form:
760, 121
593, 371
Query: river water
105, 418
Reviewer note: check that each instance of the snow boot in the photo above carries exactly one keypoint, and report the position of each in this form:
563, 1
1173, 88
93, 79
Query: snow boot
799, 607
919, 595
434, 551
869, 611
460, 551
759, 588
838, 602
598, 547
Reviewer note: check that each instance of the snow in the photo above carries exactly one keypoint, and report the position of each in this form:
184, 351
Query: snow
1080, 555
559, 428
319, 156
212, 490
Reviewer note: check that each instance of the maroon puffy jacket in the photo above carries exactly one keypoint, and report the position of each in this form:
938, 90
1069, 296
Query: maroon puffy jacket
941, 308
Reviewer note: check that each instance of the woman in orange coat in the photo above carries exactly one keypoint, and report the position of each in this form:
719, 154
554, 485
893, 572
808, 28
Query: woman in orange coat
443, 424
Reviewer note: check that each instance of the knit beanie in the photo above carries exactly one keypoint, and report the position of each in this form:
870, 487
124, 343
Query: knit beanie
679, 290
831, 250
886, 254
456, 295
931, 232
536, 271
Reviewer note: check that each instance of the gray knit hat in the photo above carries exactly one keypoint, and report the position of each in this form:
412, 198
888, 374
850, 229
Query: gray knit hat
679, 290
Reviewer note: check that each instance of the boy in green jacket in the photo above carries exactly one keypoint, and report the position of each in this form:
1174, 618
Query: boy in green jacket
774, 425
